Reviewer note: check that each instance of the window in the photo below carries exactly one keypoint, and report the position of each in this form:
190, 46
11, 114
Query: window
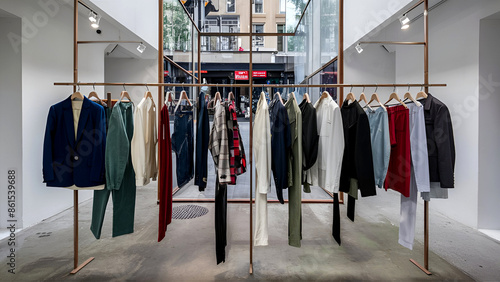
258, 41
281, 40
282, 6
230, 8
258, 6
221, 24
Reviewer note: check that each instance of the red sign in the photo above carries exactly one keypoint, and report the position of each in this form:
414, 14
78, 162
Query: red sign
259, 73
241, 75
202, 71
165, 72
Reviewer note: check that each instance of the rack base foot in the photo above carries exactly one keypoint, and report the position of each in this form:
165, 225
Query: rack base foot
82, 265
421, 267
251, 269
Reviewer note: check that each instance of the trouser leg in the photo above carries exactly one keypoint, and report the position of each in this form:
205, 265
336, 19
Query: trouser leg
124, 207
336, 218
220, 221
408, 215
100, 202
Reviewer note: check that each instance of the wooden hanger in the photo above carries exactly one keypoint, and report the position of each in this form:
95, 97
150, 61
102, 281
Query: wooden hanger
217, 97
124, 94
77, 94
183, 97
306, 97
94, 95
376, 98
169, 98
362, 98
395, 96
421, 94
148, 94
231, 96
350, 96
279, 97
292, 95
409, 97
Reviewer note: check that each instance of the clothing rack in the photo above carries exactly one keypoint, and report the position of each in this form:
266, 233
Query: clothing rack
250, 85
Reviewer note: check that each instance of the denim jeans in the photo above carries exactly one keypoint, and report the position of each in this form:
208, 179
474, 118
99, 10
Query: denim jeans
183, 146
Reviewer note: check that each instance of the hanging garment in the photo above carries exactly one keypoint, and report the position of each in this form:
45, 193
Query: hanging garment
381, 143
295, 174
310, 140
326, 170
202, 133
440, 142
219, 147
144, 142
74, 145
120, 175
419, 175
262, 153
237, 159
357, 164
280, 144
183, 146
399, 171
165, 146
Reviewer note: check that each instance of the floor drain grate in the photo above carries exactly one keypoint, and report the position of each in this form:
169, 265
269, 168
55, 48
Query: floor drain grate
188, 212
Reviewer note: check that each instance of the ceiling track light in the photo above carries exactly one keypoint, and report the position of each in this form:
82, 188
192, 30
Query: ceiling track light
141, 48
96, 23
359, 49
405, 22
92, 17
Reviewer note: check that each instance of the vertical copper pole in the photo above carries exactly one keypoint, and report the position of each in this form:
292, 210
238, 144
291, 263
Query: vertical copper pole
199, 61
160, 88
426, 81
75, 80
250, 70
340, 62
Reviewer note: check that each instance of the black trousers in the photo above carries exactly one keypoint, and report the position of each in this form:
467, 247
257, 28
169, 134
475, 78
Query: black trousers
220, 220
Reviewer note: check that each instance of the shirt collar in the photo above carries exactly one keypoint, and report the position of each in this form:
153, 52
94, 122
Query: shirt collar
428, 102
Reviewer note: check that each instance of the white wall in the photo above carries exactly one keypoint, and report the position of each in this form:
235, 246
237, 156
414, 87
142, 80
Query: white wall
489, 116
140, 17
10, 117
133, 70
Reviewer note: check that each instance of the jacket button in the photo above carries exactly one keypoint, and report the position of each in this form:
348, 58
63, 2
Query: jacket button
76, 158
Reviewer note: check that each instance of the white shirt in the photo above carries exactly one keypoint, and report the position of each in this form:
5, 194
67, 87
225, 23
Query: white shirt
262, 155
144, 142
325, 172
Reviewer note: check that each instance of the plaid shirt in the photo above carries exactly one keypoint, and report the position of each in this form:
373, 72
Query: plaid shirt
237, 160
218, 144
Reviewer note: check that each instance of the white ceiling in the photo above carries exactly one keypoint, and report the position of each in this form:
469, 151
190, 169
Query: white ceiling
4, 14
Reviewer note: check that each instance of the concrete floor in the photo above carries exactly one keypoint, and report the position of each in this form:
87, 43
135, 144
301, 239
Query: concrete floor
369, 250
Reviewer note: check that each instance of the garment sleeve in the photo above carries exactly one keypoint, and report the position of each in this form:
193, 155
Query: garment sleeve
443, 134
118, 144
364, 158
419, 154
262, 145
224, 168
155, 144
138, 149
97, 170
48, 170
336, 150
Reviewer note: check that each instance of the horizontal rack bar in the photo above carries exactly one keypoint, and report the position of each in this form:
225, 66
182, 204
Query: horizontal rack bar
108, 41
248, 85
246, 34
392, 42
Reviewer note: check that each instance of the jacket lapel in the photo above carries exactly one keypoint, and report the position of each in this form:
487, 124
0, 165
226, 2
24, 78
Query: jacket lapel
68, 121
84, 115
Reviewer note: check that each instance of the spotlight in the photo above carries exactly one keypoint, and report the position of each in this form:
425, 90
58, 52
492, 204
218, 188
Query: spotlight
96, 23
405, 22
359, 49
141, 48
92, 17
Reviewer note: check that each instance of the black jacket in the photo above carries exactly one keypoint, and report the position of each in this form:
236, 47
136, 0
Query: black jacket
281, 142
202, 135
358, 161
440, 142
310, 137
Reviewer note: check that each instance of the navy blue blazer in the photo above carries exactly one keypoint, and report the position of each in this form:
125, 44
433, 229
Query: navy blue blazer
79, 162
